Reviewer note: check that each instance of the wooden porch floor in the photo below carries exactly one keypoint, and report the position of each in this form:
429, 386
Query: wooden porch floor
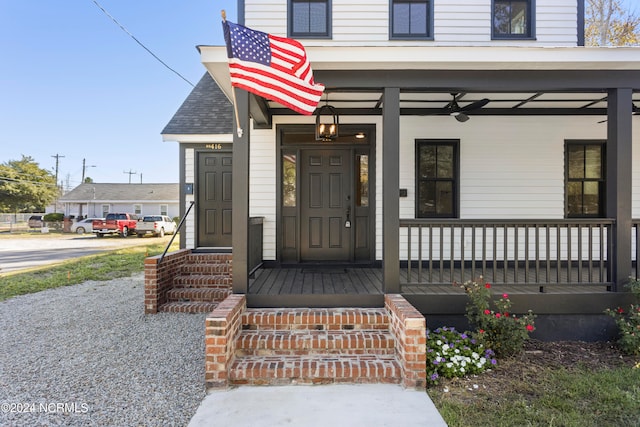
368, 281
320, 280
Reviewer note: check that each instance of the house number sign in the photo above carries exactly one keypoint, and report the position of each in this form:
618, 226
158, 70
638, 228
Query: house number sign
214, 146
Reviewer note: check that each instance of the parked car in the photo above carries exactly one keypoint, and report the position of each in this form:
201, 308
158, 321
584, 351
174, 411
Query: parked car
158, 225
122, 224
36, 221
84, 225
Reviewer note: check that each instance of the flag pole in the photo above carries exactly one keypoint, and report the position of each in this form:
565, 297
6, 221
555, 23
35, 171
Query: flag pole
223, 13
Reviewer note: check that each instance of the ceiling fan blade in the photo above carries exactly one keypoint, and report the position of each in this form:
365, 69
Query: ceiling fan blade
475, 105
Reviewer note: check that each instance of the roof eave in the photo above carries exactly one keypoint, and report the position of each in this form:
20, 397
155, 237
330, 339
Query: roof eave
215, 59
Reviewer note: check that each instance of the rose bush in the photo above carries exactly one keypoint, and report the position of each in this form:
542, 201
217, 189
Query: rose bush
497, 327
628, 322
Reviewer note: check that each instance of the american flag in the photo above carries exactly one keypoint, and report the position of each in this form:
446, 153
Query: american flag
273, 67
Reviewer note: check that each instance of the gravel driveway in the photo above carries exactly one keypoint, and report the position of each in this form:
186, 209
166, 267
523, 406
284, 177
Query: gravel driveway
86, 355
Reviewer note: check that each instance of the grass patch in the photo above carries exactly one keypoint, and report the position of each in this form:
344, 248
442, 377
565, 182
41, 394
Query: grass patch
552, 397
105, 266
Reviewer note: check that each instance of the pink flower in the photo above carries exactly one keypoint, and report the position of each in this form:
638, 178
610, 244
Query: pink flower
530, 328
487, 312
505, 296
481, 331
487, 285
498, 315
506, 315
620, 310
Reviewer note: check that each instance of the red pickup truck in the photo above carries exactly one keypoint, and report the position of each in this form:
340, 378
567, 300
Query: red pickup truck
122, 224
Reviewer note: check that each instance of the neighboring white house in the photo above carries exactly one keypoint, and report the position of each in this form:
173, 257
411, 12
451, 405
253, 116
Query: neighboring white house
540, 178
97, 200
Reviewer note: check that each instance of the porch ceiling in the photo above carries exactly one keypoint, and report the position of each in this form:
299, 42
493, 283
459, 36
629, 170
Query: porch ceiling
364, 66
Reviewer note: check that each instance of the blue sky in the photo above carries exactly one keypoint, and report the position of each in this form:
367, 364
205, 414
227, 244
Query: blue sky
73, 83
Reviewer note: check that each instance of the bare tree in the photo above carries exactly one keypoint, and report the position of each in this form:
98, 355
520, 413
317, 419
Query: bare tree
609, 23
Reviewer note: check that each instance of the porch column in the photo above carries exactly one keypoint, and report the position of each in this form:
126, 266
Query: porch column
240, 191
391, 190
619, 183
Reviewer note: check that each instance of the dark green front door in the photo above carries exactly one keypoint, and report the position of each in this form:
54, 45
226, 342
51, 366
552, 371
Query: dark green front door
325, 208
214, 199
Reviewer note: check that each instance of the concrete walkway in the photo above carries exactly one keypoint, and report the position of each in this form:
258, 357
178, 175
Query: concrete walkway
370, 405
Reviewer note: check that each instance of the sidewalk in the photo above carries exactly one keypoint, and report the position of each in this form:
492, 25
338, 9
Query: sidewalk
370, 405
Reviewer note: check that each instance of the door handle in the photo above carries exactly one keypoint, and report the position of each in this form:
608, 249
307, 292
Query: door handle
347, 223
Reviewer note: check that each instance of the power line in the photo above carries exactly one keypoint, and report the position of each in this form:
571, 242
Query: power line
140, 43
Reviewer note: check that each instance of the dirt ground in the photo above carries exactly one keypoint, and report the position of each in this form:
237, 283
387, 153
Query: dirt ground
522, 370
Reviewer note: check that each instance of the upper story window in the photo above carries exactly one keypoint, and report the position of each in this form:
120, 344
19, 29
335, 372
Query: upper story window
513, 19
585, 179
412, 19
437, 178
309, 18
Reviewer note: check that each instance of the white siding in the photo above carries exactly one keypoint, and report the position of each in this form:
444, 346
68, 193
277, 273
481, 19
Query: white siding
456, 23
190, 176
510, 167
262, 186
635, 180
269, 16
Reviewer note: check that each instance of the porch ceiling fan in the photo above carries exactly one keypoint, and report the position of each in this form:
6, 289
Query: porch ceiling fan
454, 109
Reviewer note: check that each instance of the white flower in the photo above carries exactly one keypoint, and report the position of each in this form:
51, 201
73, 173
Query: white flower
449, 365
438, 342
456, 351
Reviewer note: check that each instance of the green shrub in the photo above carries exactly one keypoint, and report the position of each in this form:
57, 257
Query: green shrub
497, 327
628, 323
453, 354
53, 217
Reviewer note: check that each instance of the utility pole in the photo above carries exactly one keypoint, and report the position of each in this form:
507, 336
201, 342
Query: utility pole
130, 173
55, 203
57, 157
84, 169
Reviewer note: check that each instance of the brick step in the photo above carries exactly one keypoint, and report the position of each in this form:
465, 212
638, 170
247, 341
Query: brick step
188, 307
202, 281
198, 294
305, 342
282, 370
315, 318
203, 258
205, 268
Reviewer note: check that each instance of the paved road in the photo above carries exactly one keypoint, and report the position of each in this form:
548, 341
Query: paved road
17, 253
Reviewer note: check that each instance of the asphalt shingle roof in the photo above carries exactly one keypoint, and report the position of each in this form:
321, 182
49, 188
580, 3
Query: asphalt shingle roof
205, 111
121, 192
